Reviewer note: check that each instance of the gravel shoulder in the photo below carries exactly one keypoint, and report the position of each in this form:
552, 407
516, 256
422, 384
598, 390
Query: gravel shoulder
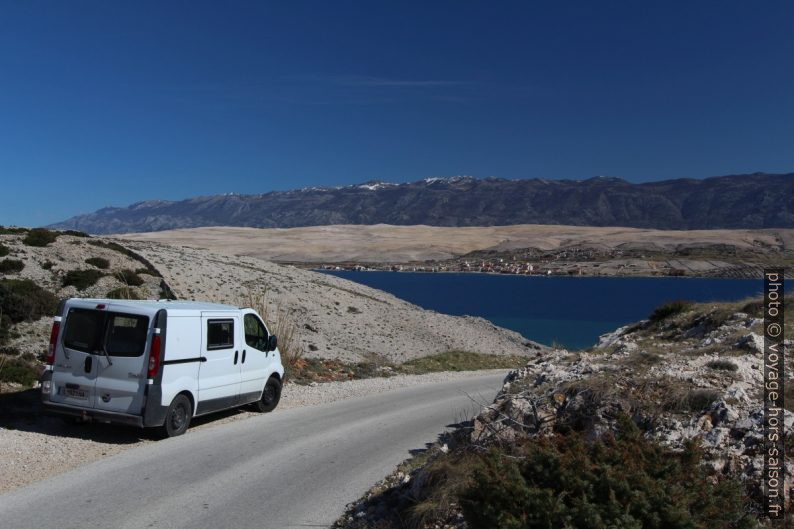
34, 447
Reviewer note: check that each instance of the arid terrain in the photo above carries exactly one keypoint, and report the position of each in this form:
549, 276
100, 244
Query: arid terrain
334, 319
527, 249
688, 381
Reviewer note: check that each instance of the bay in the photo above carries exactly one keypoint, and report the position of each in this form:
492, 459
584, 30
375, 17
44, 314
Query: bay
568, 311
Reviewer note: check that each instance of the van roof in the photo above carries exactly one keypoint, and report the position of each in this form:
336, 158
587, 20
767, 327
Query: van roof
155, 305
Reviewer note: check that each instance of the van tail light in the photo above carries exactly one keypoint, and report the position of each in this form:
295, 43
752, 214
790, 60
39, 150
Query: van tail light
56, 329
154, 357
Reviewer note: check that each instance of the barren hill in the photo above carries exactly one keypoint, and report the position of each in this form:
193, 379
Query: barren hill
385, 243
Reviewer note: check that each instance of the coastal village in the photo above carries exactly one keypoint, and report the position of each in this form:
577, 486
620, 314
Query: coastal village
576, 261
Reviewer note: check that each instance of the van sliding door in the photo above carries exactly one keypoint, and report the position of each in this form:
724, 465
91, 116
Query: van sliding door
219, 376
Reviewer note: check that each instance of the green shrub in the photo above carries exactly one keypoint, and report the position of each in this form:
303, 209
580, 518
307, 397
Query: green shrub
18, 371
128, 277
75, 233
11, 230
699, 399
47, 265
82, 279
40, 237
670, 309
4, 250
723, 365
11, 266
123, 293
617, 482
99, 262
5, 328
22, 299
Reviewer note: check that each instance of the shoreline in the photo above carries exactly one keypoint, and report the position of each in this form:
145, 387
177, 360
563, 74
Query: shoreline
499, 274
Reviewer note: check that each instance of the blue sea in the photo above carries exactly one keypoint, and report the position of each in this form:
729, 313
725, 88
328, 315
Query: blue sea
569, 311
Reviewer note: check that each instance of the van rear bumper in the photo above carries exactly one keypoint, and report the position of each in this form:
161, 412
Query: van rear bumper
99, 415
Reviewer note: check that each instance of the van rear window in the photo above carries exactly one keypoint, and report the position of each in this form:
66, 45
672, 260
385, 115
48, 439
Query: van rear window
121, 334
126, 335
84, 330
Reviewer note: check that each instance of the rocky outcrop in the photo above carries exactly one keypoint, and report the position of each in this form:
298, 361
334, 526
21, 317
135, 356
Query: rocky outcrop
697, 378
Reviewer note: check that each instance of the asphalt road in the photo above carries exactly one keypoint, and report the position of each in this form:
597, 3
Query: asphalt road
288, 469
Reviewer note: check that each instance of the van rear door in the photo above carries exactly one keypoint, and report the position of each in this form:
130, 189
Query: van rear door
75, 368
121, 375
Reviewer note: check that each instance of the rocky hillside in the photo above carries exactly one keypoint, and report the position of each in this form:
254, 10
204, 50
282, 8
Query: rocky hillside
685, 385
39, 267
332, 318
337, 319
741, 201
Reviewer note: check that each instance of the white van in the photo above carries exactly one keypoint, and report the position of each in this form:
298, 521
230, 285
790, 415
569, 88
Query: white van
158, 363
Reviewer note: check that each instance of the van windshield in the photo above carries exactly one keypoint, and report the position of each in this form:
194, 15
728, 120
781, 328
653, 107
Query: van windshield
120, 334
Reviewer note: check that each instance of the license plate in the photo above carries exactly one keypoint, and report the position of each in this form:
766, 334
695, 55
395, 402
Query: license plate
76, 393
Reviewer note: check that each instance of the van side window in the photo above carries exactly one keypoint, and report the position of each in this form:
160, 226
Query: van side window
255, 332
220, 334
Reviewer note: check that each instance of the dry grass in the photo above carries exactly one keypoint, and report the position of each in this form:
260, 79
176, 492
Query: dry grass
281, 322
442, 482
461, 361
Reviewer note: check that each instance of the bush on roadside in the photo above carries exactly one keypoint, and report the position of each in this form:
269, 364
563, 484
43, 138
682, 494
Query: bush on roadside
40, 237
11, 266
99, 262
668, 309
18, 371
82, 279
22, 299
620, 481
461, 361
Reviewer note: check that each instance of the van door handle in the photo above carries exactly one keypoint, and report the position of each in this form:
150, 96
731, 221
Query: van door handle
235, 358
243, 355
89, 361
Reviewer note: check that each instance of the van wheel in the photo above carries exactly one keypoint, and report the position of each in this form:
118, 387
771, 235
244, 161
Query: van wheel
270, 396
177, 418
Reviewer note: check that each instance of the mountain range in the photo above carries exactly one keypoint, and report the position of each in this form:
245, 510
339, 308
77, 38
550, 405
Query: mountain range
758, 200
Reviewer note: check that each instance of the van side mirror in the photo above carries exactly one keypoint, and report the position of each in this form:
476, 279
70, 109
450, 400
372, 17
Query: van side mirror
272, 342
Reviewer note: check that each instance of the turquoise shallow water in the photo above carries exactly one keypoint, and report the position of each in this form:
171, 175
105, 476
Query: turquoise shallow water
571, 311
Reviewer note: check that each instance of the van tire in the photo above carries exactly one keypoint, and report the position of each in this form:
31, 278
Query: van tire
271, 394
177, 418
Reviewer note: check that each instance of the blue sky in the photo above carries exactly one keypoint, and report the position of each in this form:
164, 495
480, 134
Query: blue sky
108, 103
